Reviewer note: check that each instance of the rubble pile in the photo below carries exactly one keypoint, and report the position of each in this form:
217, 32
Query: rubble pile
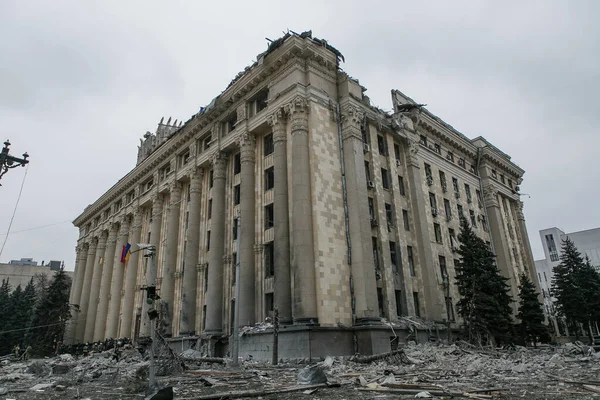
415, 371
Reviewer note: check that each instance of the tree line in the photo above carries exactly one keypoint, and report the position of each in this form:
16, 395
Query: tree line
485, 303
35, 315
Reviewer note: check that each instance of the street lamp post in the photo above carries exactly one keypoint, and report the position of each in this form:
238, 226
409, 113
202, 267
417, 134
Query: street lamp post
8, 162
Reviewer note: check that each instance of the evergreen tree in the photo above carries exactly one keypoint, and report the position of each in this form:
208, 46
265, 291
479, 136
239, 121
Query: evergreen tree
589, 283
484, 301
531, 314
14, 317
51, 315
28, 309
5, 346
566, 286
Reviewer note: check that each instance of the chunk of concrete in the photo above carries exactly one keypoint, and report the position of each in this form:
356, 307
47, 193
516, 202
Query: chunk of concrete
311, 375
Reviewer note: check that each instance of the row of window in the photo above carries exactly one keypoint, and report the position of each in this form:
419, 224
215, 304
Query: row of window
460, 211
449, 155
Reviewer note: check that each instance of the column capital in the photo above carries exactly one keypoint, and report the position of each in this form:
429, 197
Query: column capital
200, 267
175, 193
277, 123
226, 259
93, 244
247, 143
352, 118
196, 180
519, 209
297, 111
490, 194
258, 248
137, 218
124, 225
219, 164
102, 240
413, 152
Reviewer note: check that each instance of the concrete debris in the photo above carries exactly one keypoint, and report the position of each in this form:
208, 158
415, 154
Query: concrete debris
311, 375
422, 395
456, 370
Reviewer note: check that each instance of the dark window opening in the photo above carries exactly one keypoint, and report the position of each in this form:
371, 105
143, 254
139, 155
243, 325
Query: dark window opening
269, 259
237, 163
236, 195
268, 144
269, 221
380, 301
269, 178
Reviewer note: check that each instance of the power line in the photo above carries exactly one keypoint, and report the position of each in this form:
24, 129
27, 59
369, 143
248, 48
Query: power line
14, 211
37, 227
33, 327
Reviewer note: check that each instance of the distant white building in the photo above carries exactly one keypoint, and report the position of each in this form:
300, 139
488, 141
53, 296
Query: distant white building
588, 244
20, 272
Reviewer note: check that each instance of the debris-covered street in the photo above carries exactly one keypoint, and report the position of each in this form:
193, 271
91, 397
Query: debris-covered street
419, 370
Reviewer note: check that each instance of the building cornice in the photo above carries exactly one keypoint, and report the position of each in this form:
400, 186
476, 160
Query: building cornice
293, 52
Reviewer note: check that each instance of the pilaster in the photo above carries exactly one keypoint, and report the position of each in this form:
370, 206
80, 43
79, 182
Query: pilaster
434, 303
155, 228
131, 269
95, 288
167, 288
188, 306
76, 317
214, 295
247, 144
305, 303
107, 273
114, 307
499, 240
85, 290
362, 264
282, 285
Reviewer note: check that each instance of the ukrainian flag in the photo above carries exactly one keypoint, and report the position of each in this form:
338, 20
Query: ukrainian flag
125, 253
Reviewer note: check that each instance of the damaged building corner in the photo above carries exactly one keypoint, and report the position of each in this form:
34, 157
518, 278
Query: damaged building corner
339, 215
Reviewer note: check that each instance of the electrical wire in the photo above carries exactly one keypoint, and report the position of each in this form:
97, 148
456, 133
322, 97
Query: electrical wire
14, 211
37, 227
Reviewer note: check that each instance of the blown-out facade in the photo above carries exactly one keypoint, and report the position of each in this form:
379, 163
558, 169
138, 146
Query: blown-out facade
338, 213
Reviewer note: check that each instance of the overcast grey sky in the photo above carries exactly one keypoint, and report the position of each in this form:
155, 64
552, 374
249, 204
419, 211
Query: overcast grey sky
81, 82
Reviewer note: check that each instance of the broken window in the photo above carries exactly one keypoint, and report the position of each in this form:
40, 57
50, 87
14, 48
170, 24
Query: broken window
269, 178
406, 221
443, 269
417, 305
269, 216
237, 163
438, 233
269, 259
381, 147
401, 185
411, 261
268, 146
393, 257
385, 178
371, 209
236, 195
389, 215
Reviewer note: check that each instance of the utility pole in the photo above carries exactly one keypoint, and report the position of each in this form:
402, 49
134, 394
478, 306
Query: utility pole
275, 335
235, 353
8, 162
151, 298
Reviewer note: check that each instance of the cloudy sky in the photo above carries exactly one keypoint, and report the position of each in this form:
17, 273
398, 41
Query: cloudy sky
81, 82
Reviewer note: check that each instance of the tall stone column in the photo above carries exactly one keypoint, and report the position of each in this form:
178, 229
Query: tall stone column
155, 228
435, 307
305, 296
501, 247
248, 230
107, 272
526, 246
131, 278
85, 290
90, 321
167, 287
214, 295
282, 285
362, 265
187, 325
76, 292
114, 307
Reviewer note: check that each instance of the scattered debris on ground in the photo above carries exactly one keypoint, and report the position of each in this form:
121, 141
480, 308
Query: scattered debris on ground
414, 371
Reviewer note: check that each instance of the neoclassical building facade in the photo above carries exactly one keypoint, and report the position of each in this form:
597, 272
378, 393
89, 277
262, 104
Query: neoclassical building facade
338, 214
